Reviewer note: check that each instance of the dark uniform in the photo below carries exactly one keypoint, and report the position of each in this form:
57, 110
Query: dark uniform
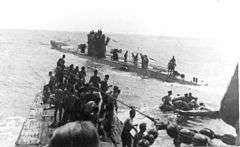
95, 80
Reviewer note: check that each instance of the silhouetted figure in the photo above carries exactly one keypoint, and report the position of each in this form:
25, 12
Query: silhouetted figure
125, 56
75, 134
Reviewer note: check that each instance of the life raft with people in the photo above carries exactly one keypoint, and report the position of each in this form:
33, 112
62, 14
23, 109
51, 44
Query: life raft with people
187, 105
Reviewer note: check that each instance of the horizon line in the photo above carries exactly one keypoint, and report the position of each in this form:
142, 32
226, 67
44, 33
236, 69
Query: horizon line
112, 33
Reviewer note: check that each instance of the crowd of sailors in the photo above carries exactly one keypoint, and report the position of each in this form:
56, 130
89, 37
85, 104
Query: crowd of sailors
97, 42
135, 58
90, 103
86, 113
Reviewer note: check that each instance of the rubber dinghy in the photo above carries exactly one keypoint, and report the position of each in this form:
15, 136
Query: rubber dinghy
201, 113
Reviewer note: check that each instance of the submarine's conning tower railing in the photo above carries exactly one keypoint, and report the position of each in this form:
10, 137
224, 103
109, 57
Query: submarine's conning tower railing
97, 43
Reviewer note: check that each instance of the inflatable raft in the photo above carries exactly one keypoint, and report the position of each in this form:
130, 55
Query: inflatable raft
201, 113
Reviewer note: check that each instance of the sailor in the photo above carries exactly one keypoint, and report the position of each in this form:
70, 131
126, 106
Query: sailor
52, 81
115, 54
127, 127
58, 105
104, 84
167, 99
68, 103
125, 56
143, 61
116, 91
146, 61
46, 94
95, 80
135, 59
61, 61
59, 73
173, 60
140, 134
90, 112
76, 70
75, 134
171, 66
82, 74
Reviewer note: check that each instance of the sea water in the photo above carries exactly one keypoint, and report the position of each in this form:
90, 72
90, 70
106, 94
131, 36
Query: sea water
26, 59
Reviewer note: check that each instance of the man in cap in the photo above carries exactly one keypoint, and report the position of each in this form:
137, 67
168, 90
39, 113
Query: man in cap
116, 91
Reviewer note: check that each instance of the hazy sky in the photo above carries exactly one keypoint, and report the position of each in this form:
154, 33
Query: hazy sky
204, 18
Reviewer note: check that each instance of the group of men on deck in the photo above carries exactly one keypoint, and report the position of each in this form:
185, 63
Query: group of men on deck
144, 58
74, 99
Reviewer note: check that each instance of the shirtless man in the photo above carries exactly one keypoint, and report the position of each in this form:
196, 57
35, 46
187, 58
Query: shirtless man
104, 84
61, 61
95, 79
127, 127
140, 134
167, 99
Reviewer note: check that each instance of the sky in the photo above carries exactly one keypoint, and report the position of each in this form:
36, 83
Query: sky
194, 18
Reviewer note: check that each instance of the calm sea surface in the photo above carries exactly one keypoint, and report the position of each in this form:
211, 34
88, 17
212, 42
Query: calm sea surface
26, 59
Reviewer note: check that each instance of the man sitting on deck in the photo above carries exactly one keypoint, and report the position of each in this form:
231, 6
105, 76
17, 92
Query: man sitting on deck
167, 99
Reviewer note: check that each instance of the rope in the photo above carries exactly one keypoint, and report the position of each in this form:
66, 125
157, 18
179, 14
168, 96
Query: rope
131, 107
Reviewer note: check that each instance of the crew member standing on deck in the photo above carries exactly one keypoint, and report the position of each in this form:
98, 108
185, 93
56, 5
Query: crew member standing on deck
82, 74
127, 127
95, 80
146, 62
61, 61
104, 84
52, 81
173, 61
135, 59
143, 61
125, 56
116, 91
